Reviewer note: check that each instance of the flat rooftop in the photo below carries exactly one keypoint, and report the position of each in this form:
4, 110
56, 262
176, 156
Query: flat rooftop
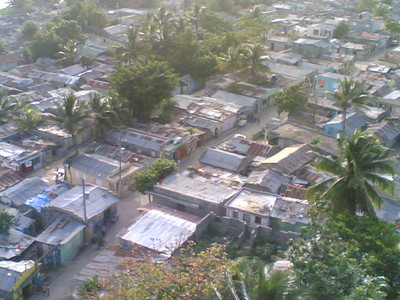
255, 202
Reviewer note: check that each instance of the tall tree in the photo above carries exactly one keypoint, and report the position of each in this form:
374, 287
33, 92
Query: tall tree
132, 48
325, 266
195, 16
342, 29
28, 118
188, 275
231, 61
348, 94
102, 115
145, 85
6, 107
70, 115
291, 99
255, 58
358, 174
69, 53
6, 220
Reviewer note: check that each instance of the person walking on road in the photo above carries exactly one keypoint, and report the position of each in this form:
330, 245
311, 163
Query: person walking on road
47, 290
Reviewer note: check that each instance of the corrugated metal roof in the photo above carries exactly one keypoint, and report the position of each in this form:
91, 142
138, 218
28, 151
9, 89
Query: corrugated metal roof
234, 98
60, 232
13, 243
385, 131
291, 158
72, 201
160, 231
21, 192
95, 165
223, 159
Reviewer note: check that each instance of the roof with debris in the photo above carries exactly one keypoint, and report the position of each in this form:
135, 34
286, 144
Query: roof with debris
256, 202
385, 131
13, 243
60, 232
290, 159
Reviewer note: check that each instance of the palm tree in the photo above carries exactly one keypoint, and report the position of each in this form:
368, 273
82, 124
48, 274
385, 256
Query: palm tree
70, 115
102, 115
255, 57
69, 53
360, 171
27, 118
132, 48
6, 106
194, 17
349, 93
120, 106
231, 60
254, 280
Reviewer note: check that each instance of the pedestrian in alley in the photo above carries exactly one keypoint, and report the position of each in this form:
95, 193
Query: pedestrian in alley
48, 290
44, 289
258, 121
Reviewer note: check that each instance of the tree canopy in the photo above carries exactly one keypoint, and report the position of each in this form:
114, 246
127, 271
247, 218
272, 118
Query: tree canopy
291, 99
146, 179
145, 85
6, 220
359, 176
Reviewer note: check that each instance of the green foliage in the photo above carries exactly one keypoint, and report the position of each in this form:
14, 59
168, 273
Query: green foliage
393, 26
27, 118
213, 23
6, 220
7, 106
168, 108
70, 115
69, 31
348, 256
2, 46
193, 276
87, 60
45, 44
191, 58
348, 94
381, 10
145, 85
324, 266
87, 14
20, 6
102, 115
255, 59
146, 179
68, 53
359, 172
231, 61
252, 25
234, 88
366, 5
291, 99
29, 29
342, 29
89, 287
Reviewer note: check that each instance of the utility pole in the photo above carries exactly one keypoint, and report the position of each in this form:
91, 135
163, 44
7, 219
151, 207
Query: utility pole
84, 201
120, 167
